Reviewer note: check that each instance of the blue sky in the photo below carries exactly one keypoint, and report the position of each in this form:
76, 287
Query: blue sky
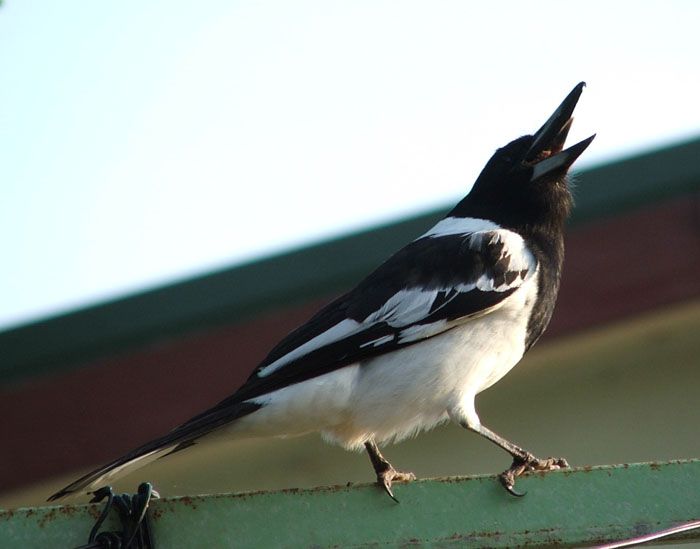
145, 142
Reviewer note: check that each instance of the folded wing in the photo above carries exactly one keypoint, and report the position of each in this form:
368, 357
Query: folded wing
437, 282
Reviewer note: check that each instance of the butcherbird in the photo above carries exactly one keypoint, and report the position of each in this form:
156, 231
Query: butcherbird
412, 344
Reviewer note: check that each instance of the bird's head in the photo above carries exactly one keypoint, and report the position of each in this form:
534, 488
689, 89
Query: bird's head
525, 181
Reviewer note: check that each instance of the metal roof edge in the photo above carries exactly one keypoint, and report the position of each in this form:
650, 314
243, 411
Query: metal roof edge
236, 293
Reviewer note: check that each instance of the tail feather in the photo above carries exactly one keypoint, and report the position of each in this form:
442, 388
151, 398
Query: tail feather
180, 438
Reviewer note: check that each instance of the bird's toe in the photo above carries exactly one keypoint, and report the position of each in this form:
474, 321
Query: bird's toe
507, 479
549, 464
531, 463
386, 478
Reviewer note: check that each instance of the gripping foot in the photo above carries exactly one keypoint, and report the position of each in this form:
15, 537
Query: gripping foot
525, 465
386, 474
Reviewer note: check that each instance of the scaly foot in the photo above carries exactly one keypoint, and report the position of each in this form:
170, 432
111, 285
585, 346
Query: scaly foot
386, 474
389, 475
530, 463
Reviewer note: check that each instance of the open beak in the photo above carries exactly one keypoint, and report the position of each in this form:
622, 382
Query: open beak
546, 154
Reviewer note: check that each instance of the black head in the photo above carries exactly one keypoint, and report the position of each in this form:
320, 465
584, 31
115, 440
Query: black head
524, 184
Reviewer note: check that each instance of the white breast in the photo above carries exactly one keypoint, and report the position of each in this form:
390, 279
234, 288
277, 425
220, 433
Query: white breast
401, 393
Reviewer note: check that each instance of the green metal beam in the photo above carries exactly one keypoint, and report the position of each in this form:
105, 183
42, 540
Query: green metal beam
567, 508
235, 294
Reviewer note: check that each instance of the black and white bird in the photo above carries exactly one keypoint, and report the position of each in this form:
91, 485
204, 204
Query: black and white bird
413, 344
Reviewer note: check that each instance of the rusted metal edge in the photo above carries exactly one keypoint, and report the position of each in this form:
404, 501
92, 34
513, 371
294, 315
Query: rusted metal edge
585, 506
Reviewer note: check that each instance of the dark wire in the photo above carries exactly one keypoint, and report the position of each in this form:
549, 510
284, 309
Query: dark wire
133, 513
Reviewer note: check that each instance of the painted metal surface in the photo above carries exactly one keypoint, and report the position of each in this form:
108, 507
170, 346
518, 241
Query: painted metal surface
570, 508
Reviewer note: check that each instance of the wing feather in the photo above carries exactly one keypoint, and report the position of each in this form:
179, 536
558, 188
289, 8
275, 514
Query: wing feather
437, 282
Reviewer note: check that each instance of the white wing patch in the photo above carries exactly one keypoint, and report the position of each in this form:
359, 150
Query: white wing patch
339, 331
403, 308
520, 258
377, 342
477, 231
410, 308
421, 331
460, 225
513, 245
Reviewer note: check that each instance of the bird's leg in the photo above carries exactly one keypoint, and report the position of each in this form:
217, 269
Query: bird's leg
523, 461
386, 473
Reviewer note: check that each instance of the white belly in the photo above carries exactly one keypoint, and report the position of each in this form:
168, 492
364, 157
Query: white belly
398, 394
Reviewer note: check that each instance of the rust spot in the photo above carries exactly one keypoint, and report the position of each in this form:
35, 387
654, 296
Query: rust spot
458, 480
187, 500
95, 511
70, 510
253, 493
479, 537
156, 513
48, 517
486, 534
654, 466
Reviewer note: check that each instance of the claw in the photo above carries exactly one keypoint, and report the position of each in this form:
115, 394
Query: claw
387, 488
508, 477
512, 492
385, 479
507, 482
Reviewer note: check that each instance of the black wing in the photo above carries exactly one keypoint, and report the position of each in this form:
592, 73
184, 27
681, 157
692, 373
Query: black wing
432, 285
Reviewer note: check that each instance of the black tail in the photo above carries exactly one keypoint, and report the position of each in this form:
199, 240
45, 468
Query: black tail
180, 438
